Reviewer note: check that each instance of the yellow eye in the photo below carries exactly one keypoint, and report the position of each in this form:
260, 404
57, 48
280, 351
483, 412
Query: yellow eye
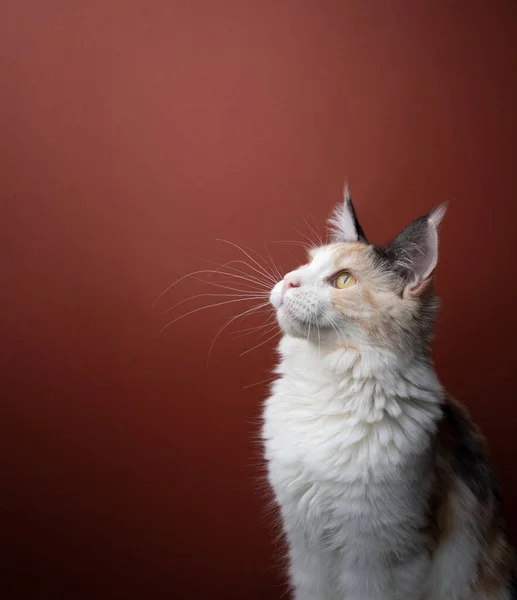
344, 280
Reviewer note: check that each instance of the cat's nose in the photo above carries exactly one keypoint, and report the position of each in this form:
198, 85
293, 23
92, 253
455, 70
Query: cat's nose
289, 282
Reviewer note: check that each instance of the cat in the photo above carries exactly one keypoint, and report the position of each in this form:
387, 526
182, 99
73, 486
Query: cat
383, 482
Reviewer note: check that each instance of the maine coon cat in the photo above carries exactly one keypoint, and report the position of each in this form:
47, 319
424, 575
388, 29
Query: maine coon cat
383, 482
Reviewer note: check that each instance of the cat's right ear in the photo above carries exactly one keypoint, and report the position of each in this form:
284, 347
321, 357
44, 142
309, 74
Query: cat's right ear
414, 252
343, 223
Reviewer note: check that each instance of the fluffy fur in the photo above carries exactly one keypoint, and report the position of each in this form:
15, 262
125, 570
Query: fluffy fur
383, 482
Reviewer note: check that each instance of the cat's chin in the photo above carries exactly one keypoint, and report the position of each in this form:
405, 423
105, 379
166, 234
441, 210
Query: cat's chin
295, 327
294, 332
290, 325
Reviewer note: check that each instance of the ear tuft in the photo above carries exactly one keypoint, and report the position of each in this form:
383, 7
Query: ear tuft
343, 222
437, 214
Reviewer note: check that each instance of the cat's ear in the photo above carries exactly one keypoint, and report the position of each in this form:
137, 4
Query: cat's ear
414, 252
343, 223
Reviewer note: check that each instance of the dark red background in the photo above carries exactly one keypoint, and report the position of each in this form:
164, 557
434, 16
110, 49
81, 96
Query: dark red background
134, 133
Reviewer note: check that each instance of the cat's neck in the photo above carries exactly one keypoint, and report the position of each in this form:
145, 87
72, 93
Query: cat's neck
363, 391
360, 370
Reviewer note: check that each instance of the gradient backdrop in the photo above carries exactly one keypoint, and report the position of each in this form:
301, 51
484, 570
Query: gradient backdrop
133, 133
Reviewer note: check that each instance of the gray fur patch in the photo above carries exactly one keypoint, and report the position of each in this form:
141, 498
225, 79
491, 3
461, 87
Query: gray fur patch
470, 461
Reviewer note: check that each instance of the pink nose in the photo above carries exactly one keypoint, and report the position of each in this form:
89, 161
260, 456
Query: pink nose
289, 283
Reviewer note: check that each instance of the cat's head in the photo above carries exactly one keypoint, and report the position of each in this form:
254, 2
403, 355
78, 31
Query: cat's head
356, 294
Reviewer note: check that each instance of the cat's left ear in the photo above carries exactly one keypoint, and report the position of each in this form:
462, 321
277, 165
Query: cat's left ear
343, 223
414, 252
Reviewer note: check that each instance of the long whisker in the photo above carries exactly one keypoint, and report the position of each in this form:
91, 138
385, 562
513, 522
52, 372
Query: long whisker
244, 296
262, 343
275, 268
261, 258
245, 277
244, 287
319, 235
242, 332
276, 272
225, 325
240, 271
205, 271
311, 228
233, 289
209, 306
268, 380
311, 243
293, 242
268, 330
238, 262
262, 270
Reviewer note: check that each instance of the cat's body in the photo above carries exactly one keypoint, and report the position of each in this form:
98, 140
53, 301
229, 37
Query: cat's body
383, 483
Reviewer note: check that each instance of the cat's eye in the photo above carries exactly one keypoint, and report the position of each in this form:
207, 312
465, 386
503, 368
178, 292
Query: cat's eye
344, 280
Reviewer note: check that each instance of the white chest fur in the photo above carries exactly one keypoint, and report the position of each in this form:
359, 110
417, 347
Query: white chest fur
347, 444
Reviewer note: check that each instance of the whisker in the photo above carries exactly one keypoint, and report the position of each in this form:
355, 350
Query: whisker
250, 385
276, 273
226, 287
225, 325
318, 243
268, 330
333, 325
243, 332
243, 275
293, 242
311, 243
263, 271
259, 256
241, 262
206, 271
336, 327
243, 296
275, 268
246, 276
319, 235
262, 343
209, 306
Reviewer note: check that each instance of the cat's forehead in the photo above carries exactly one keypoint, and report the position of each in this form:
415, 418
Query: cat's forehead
340, 255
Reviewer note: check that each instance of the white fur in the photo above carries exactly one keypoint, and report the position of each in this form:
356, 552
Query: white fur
342, 221
347, 434
346, 443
